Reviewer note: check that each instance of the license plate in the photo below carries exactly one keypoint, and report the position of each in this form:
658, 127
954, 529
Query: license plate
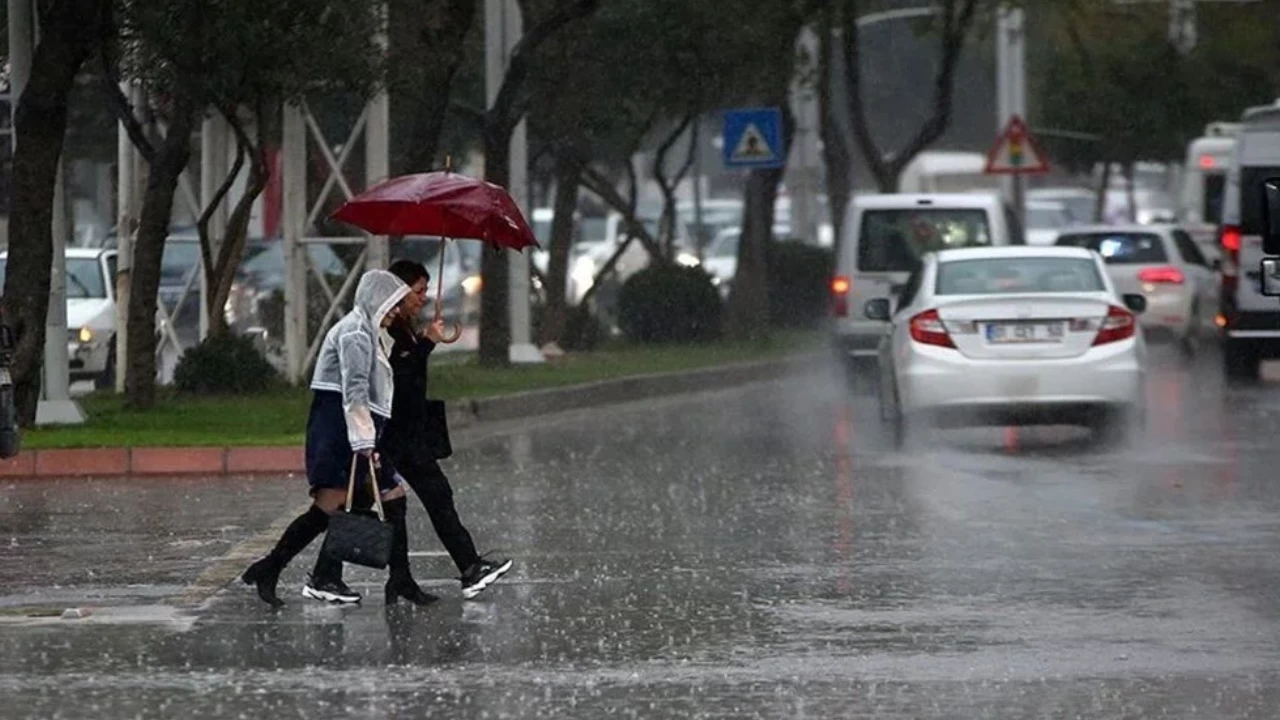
1013, 333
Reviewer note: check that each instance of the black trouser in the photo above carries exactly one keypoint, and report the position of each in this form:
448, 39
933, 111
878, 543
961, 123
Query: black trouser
432, 488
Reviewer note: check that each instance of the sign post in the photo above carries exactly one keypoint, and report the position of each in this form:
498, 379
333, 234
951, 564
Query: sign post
1016, 153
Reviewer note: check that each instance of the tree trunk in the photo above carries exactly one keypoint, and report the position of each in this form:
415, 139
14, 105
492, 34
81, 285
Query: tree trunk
221, 273
148, 250
835, 145
495, 321
554, 312
438, 29
70, 30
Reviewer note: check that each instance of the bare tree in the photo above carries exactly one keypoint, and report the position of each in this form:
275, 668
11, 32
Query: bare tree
954, 23
668, 185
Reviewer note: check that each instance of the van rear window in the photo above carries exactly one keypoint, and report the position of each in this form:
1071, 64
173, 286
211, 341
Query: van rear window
894, 240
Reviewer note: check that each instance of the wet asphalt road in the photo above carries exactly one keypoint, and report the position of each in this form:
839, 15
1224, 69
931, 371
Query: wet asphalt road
757, 552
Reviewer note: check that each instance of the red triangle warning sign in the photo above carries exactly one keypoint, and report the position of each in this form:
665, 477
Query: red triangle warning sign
1016, 152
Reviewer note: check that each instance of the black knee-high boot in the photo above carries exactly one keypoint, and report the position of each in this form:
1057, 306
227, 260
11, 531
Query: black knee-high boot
265, 573
400, 583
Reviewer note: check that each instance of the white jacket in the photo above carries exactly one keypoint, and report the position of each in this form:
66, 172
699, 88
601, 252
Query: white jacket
354, 358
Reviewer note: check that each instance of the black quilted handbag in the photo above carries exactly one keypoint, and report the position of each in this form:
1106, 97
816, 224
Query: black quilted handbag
358, 537
437, 430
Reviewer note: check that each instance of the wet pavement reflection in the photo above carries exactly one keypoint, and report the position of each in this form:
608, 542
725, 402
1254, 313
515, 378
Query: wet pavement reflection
759, 552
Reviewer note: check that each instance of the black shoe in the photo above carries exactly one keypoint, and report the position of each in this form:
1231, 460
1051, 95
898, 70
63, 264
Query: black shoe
330, 590
408, 589
264, 574
481, 575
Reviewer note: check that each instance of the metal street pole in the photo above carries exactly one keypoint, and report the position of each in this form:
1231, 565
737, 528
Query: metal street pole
803, 168
503, 29
1011, 89
126, 218
377, 149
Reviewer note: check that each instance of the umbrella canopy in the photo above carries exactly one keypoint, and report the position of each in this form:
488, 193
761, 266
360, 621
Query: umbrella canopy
443, 204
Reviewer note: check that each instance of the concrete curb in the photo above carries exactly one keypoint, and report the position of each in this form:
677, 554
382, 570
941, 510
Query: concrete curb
224, 461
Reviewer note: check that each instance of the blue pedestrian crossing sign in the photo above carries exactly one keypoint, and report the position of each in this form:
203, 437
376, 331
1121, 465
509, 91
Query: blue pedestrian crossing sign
753, 138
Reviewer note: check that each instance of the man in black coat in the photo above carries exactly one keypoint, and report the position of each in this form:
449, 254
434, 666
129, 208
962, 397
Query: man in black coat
406, 441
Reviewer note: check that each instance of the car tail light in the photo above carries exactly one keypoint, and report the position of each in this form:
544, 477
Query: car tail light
1230, 240
1165, 275
927, 329
840, 287
1119, 324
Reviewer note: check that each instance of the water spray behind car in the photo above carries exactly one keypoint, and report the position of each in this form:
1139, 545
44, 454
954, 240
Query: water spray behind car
10, 439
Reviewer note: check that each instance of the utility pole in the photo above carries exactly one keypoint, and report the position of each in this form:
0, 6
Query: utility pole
56, 405
503, 28
127, 167
377, 144
804, 170
1011, 85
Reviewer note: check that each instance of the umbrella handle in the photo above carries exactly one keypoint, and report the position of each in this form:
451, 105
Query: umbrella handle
457, 327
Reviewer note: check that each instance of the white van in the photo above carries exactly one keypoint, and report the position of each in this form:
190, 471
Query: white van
946, 171
1249, 320
883, 238
1204, 183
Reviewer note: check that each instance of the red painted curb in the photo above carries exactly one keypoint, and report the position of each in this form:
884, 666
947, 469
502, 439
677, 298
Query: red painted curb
152, 461
178, 461
81, 462
249, 460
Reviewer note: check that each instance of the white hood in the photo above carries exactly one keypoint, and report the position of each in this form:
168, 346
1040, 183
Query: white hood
97, 313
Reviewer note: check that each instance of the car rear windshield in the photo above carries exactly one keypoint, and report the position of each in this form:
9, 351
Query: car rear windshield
894, 240
1120, 248
998, 276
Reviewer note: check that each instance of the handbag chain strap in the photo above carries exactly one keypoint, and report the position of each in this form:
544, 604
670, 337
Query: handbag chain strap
374, 468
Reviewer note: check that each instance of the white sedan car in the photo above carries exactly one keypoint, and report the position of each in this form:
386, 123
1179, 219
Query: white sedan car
1011, 335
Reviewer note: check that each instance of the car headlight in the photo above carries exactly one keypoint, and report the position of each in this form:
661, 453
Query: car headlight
472, 284
85, 335
688, 259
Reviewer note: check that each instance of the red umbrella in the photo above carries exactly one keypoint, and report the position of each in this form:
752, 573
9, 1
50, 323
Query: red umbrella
443, 204
440, 203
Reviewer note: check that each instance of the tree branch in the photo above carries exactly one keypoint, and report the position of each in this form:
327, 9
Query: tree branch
955, 29
202, 225
851, 51
468, 112
504, 105
124, 111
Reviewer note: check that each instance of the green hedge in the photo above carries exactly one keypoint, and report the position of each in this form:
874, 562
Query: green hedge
670, 304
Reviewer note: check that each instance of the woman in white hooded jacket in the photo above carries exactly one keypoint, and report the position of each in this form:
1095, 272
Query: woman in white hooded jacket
352, 389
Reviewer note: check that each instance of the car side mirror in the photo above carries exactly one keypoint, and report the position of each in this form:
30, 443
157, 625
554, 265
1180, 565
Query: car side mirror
1271, 216
1271, 277
1135, 302
877, 309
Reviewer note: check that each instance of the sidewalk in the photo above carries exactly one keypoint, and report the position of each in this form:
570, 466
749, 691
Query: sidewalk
142, 462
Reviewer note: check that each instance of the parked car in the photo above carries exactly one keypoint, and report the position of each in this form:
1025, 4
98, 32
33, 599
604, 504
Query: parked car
91, 313
883, 239
1163, 263
720, 259
1010, 335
